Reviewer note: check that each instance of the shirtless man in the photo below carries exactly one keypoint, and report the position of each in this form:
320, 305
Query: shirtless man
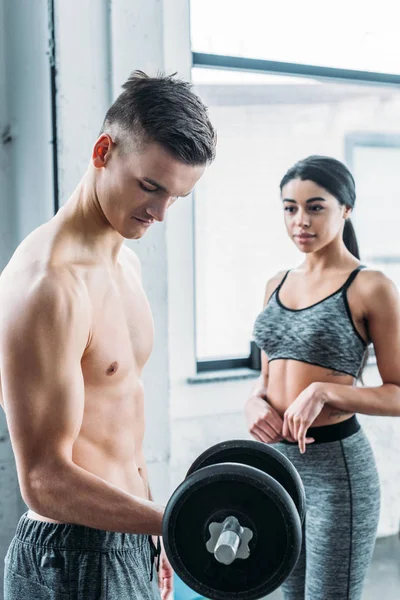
75, 333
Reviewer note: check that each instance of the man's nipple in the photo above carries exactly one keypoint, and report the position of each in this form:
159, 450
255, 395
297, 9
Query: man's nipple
113, 368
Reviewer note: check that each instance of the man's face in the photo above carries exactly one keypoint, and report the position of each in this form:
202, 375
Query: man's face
136, 189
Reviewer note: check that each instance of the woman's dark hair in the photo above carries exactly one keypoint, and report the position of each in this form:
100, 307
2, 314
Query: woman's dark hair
336, 179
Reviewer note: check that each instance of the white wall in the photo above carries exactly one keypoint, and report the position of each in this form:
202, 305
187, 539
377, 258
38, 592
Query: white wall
29, 113
83, 84
7, 225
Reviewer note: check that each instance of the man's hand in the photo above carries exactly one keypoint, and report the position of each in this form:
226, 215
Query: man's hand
263, 421
165, 576
302, 413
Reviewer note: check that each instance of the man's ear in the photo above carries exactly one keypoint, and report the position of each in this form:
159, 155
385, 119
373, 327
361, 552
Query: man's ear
101, 150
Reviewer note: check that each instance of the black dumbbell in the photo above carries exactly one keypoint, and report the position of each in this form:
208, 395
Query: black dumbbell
233, 528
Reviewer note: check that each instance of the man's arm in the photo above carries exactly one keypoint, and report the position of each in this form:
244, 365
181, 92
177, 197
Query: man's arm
42, 342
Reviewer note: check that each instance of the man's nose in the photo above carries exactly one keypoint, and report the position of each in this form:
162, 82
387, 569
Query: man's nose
158, 210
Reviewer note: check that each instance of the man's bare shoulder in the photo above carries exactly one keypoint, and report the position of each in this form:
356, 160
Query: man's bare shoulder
34, 292
33, 247
131, 259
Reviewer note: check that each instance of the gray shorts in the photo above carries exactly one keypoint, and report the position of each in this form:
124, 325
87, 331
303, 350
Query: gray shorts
48, 561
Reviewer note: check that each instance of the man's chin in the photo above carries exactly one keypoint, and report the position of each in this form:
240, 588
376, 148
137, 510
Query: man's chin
134, 235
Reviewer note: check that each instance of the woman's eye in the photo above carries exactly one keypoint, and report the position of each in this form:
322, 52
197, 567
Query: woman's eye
147, 189
316, 208
289, 209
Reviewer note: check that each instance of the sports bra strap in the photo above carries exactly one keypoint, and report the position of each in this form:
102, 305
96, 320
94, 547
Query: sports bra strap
283, 281
352, 277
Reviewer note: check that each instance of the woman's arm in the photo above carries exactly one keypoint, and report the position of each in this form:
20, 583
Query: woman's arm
382, 312
263, 421
382, 303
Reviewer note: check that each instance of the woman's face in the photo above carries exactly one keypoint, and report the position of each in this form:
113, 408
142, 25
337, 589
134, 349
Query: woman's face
313, 217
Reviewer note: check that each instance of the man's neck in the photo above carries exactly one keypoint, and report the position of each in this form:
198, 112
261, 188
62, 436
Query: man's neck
83, 216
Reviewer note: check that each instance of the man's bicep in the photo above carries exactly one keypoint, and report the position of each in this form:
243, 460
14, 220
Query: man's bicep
42, 382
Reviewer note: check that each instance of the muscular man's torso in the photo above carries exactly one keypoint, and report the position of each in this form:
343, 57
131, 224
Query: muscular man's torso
120, 340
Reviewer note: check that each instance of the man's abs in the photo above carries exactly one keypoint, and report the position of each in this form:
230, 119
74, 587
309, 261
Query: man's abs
109, 444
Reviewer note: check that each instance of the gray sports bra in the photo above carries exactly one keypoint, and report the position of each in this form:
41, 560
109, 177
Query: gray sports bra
322, 334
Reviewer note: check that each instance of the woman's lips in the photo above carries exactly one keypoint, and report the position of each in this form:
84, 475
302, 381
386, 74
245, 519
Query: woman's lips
305, 237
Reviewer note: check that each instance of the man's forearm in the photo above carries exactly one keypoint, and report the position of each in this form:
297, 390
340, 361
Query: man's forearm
383, 400
70, 494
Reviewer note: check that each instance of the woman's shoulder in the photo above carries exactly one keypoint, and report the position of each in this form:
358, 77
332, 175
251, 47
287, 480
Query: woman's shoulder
373, 284
272, 284
374, 277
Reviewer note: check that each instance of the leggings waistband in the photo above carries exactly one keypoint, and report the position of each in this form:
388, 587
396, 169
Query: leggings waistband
331, 433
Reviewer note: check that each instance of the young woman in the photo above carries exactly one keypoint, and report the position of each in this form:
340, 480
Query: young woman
313, 332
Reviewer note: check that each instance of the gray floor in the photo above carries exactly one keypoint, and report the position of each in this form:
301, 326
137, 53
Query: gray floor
384, 575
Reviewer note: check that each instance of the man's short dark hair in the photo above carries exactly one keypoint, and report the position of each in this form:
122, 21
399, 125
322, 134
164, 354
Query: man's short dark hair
165, 110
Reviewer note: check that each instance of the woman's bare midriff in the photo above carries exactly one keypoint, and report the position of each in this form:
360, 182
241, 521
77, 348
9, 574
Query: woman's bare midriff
288, 378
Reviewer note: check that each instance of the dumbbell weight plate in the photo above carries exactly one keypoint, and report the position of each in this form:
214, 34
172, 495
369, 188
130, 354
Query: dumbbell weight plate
261, 456
259, 503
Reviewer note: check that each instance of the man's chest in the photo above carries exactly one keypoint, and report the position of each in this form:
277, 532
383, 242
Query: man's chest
122, 329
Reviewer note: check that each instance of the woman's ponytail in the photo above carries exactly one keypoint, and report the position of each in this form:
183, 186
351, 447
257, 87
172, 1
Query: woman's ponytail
350, 239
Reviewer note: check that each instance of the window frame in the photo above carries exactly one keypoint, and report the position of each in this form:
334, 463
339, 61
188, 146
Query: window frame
236, 63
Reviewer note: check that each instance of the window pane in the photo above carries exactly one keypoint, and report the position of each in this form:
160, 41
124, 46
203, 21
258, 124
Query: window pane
265, 124
347, 35
376, 170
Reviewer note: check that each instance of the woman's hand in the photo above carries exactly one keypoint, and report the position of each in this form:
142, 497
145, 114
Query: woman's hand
302, 413
263, 422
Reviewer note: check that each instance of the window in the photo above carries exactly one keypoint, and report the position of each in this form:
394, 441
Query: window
346, 35
374, 160
265, 124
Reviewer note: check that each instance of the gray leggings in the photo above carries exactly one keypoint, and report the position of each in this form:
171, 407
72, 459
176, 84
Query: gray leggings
48, 561
343, 501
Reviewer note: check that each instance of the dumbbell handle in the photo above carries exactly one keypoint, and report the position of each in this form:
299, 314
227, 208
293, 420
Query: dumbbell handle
228, 542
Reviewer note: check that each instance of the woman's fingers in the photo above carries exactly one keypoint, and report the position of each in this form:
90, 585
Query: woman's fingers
301, 437
265, 434
273, 421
